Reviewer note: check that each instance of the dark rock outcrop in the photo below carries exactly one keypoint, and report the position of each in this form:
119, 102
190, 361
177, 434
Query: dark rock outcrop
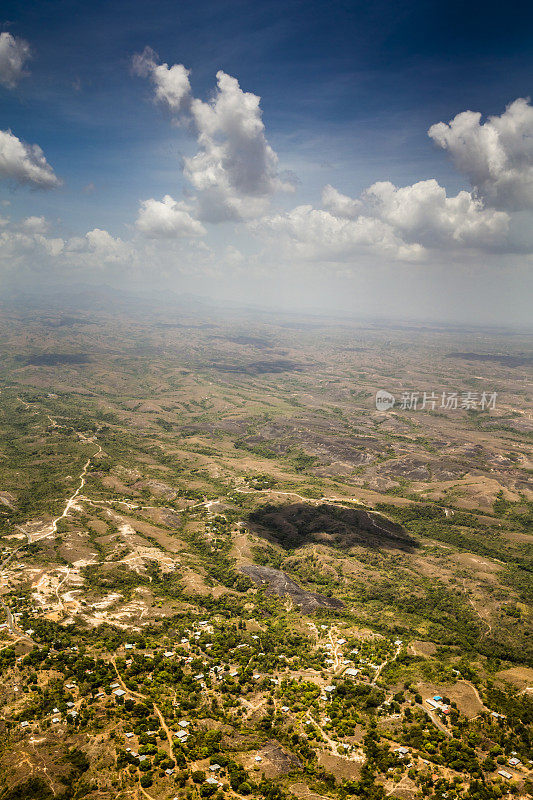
280, 584
298, 524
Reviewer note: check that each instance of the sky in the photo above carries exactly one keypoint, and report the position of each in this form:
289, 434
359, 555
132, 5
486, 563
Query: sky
352, 157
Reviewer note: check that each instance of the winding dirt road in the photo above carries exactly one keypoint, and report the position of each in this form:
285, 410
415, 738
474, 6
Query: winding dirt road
140, 696
70, 502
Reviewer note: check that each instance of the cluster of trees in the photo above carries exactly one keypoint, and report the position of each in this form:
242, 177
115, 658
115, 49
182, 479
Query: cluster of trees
350, 704
215, 558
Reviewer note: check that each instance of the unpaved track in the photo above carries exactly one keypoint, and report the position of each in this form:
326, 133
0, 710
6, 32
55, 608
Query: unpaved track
312, 500
60, 584
435, 720
53, 527
9, 616
333, 744
70, 502
145, 793
164, 725
388, 661
474, 689
334, 631
485, 622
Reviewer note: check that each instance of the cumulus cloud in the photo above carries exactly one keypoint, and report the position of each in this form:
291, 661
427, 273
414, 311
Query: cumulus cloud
168, 218
35, 225
20, 249
14, 53
235, 172
172, 86
27, 245
233, 259
404, 224
27, 241
25, 163
496, 155
424, 213
53, 246
313, 234
108, 248
340, 205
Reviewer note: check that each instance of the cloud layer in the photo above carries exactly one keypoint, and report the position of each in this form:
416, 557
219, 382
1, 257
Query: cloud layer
235, 174
403, 224
420, 221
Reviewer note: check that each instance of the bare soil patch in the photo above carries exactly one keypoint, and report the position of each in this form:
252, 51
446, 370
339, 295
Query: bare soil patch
340, 767
461, 693
275, 760
521, 677
419, 648
303, 791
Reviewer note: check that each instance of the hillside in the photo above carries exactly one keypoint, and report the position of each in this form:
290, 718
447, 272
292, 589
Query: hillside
226, 574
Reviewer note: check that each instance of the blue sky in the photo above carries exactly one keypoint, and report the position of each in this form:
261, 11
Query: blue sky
348, 92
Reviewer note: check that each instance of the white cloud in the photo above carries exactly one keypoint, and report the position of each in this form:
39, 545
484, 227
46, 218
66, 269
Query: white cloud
35, 225
22, 247
235, 172
496, 156
312, 234
172, 87
19, 249
108, 248
339, 204
167, 218
14, 53
29, 236
404, 224
234, 175
233, 259
26, 245
424, 213
52, 246
25, 163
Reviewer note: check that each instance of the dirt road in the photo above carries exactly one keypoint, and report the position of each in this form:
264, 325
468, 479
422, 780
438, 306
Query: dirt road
435, 720
140, 696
